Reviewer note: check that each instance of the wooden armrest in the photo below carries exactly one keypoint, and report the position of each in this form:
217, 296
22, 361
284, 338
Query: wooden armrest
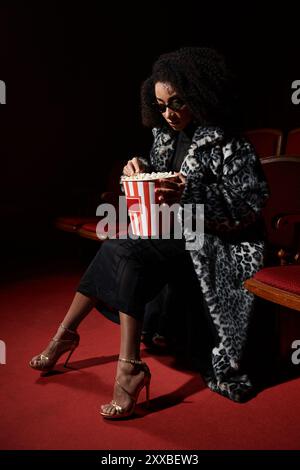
273, 294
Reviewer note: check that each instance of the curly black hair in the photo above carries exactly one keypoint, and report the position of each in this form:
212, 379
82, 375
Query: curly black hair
202, 79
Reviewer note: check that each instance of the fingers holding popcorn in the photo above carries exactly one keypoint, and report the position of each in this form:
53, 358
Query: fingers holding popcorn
135, 165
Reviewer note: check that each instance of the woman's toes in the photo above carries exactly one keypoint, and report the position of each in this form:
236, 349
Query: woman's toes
107, 408
103, 408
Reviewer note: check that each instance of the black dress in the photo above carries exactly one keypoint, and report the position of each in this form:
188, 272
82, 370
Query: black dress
127, 274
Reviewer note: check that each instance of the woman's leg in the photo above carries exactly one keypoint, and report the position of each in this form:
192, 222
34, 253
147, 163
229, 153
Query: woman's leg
130, 336
79, 309
130, 376
66, 338
145, 269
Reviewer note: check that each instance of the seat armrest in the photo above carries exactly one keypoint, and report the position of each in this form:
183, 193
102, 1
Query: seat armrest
287, 220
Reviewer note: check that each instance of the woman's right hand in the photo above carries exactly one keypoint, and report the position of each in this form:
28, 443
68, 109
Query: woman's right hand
170, 191
133, 166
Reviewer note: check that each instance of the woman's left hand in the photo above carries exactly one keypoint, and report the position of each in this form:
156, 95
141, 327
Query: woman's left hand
169, 192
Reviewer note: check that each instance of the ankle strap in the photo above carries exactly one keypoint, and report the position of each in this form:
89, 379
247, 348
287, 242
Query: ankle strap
130, 361
67, 329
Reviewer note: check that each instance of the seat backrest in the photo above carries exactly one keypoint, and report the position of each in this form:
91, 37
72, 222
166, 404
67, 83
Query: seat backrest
267, 142
283, 176
293, 142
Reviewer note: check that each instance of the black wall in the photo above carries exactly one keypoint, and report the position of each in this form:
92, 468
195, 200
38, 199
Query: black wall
73, 75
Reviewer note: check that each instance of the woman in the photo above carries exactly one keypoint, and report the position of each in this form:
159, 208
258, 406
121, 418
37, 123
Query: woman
189, 102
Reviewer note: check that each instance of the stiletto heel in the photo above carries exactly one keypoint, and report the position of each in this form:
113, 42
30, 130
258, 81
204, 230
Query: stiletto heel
117, 411
57, 347
69, 356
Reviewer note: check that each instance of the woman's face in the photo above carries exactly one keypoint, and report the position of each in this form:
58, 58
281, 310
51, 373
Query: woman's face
174, 110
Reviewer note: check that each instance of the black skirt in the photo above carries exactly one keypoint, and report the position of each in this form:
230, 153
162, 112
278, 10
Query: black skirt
127, 274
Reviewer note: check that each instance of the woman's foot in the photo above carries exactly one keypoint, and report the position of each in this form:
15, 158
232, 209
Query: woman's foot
132, 376
65, 340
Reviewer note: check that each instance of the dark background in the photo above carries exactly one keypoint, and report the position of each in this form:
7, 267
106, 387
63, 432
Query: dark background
73, 76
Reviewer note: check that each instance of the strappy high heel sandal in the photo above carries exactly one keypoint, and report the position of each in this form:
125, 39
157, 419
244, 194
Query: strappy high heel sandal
119, 412
57, 347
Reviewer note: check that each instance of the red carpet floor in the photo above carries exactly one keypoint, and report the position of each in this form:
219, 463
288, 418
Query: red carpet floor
60, 411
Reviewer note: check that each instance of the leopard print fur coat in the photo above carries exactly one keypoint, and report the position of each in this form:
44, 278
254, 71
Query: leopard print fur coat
225, 175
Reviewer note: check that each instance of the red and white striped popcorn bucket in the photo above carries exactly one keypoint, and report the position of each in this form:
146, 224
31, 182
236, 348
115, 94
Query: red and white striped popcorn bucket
143, 206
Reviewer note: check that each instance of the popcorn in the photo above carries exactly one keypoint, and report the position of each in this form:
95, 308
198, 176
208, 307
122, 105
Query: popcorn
148, 176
